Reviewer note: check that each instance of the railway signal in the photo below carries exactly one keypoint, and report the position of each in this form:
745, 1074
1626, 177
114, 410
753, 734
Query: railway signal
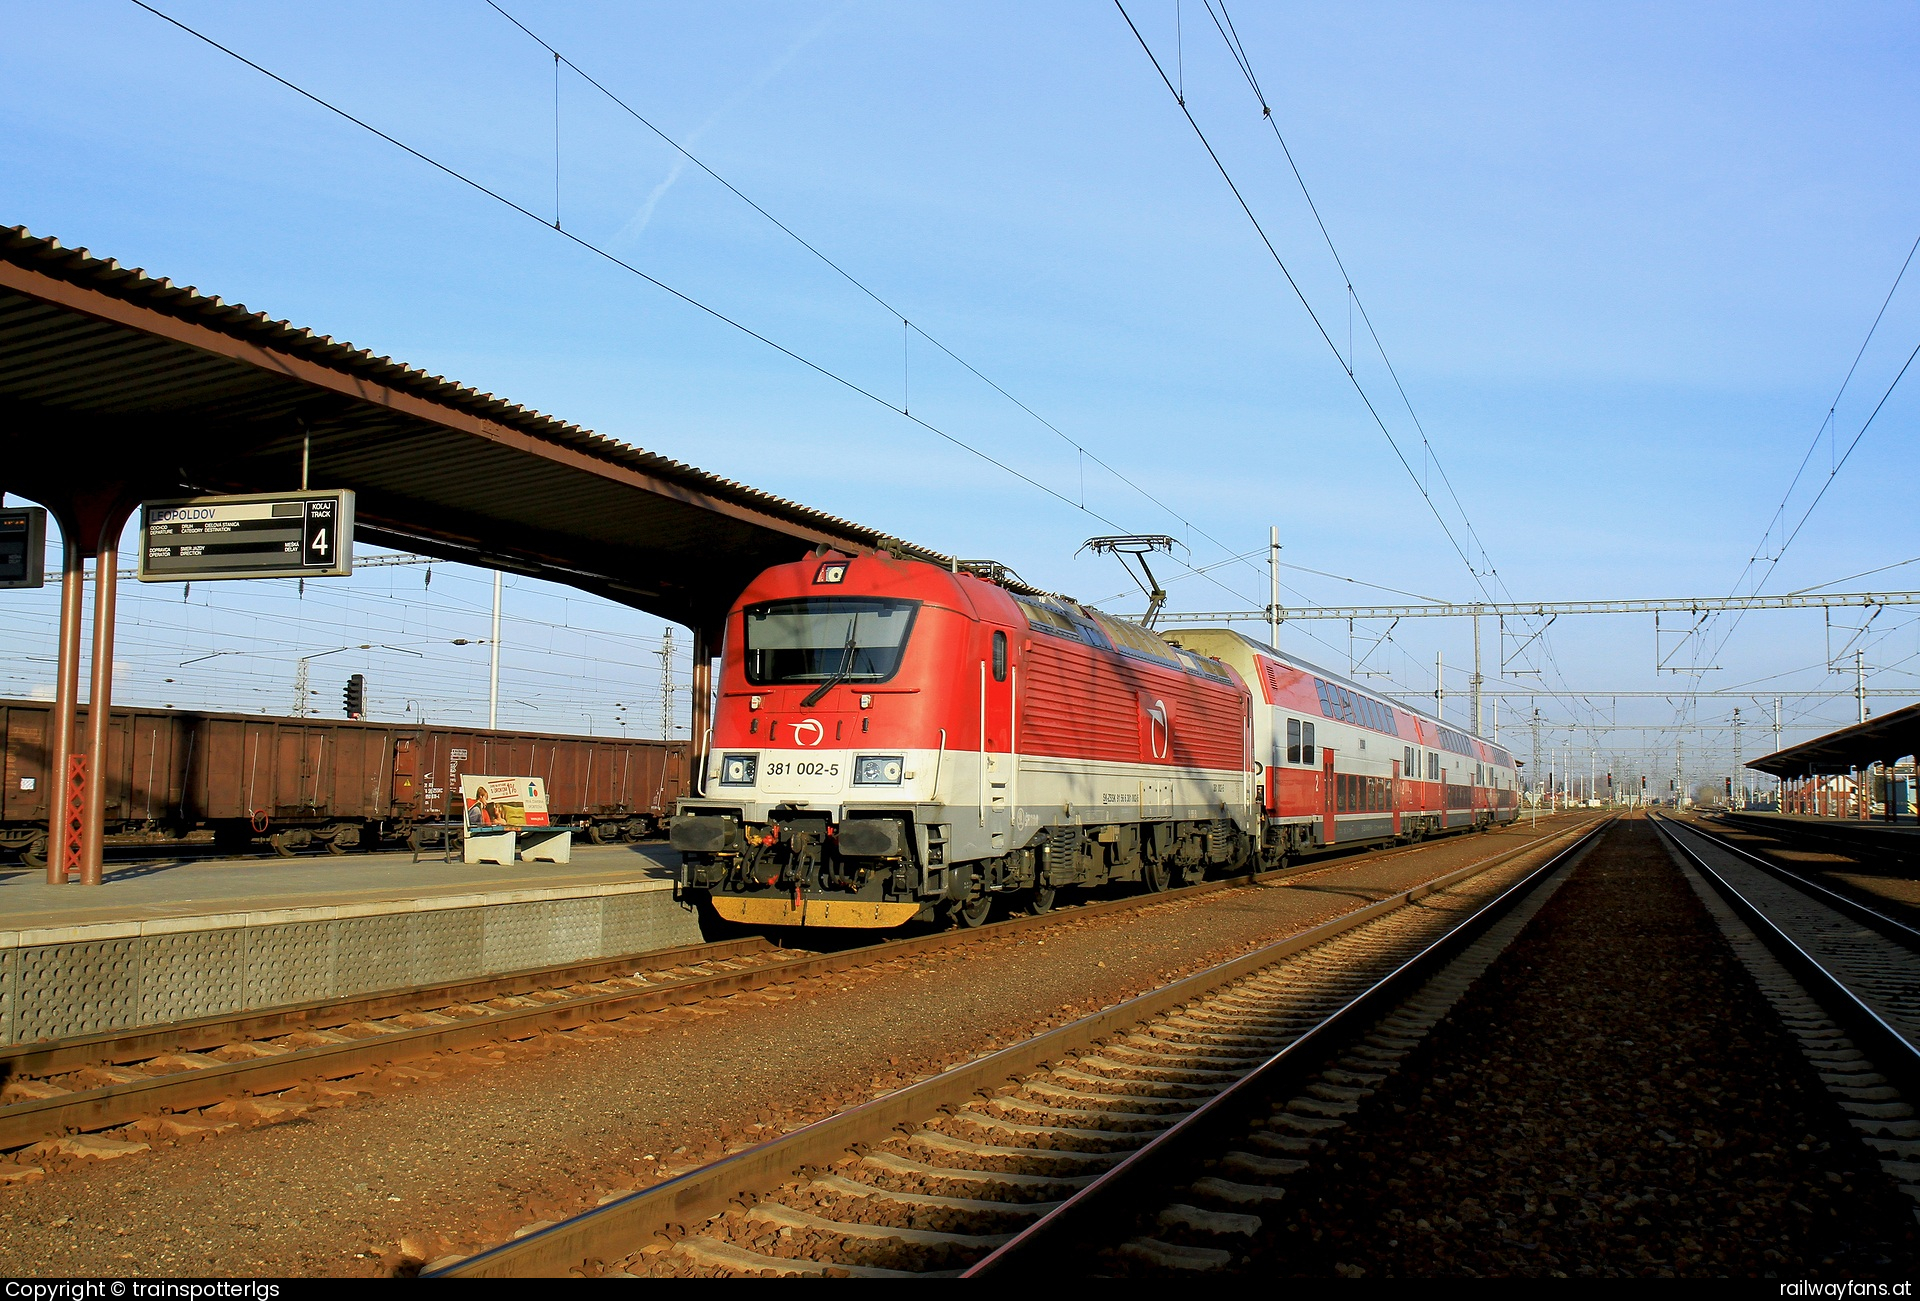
355, 696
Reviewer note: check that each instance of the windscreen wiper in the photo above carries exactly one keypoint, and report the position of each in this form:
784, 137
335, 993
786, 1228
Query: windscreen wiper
840, 675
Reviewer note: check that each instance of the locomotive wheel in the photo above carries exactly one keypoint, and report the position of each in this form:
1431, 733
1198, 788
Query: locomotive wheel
1040, 898
973, 912
1155, 877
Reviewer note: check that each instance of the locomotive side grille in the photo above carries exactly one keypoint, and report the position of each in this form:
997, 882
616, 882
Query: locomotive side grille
1066, 709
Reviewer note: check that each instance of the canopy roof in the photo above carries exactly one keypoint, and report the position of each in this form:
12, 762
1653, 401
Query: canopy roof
114, 379
1878, 740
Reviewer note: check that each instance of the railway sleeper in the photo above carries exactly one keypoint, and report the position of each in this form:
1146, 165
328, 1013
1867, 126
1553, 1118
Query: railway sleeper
785, 1216
986, 1121
842, 1186
889, 1163
949, 1145
1131, 1118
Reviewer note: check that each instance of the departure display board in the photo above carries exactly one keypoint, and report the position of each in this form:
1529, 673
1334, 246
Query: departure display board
23, 544
266, 535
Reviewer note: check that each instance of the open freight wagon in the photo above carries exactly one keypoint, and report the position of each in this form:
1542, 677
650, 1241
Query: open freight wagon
295, 783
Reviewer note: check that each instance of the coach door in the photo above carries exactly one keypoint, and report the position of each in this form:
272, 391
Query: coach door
997, 685
1327, 785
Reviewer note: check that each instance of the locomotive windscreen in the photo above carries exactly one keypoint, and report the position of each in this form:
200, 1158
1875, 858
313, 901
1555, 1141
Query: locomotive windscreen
814, 639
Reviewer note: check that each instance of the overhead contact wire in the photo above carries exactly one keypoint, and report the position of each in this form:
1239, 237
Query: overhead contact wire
857, 283
624, 265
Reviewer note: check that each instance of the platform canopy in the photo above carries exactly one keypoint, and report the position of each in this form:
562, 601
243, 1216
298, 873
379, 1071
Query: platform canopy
1885, 739
118, 386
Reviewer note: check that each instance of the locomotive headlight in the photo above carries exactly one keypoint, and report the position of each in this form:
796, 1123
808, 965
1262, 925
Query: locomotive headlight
739, 769
877, 770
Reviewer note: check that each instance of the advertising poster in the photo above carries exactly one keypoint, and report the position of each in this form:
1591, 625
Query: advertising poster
503, 801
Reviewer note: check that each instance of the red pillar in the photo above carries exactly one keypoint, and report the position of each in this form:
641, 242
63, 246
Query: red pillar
100, 697
61, 840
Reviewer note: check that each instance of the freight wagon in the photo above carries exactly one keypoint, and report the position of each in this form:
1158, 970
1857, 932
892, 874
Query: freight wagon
299, 783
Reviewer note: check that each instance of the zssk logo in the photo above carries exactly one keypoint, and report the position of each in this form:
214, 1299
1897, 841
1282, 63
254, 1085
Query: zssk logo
808, 731
1157, 730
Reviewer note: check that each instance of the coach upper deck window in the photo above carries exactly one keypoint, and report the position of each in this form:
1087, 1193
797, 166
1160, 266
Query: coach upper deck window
822, 639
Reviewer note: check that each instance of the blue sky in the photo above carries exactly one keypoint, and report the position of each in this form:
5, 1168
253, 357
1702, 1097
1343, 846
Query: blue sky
1621, 258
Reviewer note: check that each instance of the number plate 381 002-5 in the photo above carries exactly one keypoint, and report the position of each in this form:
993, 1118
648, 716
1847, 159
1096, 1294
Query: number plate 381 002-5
802, 776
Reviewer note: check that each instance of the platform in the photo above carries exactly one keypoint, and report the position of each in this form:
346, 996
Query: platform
1901, 837
173, 939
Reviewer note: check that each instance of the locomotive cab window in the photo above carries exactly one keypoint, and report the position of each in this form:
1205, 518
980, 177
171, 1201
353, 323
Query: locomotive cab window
999, 657
827, 639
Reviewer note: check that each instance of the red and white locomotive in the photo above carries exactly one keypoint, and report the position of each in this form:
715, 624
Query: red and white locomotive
896, 741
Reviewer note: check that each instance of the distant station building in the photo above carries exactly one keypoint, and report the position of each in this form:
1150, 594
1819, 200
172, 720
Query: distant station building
1861, 772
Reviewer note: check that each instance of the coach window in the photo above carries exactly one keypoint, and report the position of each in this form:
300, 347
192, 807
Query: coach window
999, 657
1293, 740
1306, 744
1406, 766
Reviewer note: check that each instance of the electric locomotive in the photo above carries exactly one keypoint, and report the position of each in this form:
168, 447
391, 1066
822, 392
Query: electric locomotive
894, 741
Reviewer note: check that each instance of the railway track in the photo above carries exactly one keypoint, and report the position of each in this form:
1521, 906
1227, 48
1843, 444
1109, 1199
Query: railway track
964, 1171
1860, 964
97, 1082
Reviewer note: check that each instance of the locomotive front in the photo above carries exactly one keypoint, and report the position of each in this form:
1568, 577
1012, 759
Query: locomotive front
819, 800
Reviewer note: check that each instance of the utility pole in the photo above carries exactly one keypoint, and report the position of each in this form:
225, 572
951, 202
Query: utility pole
1739, 782
1780, 783
666, 684
1860, 682
1475, 684
493, 670
1273, 588
1680, 773
1439, 687
1536, 750
300, 688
